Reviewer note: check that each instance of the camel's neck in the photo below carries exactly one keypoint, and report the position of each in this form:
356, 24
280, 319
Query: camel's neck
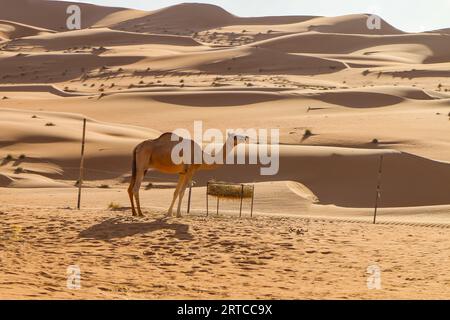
221, 155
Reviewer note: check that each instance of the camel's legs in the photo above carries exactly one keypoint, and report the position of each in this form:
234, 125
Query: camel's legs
186, 181
130, 194
176, 192
136, 188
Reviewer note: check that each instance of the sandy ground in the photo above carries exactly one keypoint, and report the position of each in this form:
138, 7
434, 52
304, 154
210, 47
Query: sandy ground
359, 93
215, 258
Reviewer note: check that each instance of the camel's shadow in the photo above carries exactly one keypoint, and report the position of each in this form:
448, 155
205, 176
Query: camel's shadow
116, 228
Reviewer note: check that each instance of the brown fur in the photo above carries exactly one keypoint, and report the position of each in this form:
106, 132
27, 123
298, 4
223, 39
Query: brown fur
156, 154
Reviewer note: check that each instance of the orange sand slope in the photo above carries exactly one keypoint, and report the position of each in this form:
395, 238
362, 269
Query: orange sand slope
260, 258
134, 74
339, 176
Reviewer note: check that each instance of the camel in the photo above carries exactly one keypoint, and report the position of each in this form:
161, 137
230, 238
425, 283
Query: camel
157, 155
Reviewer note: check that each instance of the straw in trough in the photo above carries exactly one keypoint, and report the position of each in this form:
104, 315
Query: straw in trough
230, 191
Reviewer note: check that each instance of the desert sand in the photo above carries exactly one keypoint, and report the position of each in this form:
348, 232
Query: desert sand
133, 74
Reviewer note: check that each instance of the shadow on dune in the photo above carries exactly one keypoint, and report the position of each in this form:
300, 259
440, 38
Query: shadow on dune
217, 98
116, 228
356, 99
419, 74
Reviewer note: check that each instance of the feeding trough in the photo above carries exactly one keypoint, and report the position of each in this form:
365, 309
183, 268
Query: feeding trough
229, 191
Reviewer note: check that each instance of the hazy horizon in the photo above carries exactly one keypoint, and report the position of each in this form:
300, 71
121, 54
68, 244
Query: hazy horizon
411, 16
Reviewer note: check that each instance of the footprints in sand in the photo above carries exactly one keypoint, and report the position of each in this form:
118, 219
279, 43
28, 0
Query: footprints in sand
194, 257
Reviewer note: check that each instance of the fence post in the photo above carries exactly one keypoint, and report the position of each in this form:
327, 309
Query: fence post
80, 180
207, 192
242, 195
378, 191
217, 213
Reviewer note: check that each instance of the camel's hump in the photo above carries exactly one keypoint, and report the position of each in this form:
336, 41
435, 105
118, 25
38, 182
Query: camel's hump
167, 136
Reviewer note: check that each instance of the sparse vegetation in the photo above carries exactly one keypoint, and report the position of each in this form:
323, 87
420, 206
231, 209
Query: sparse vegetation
113, 206
22, 157
104, 186
50, 124
375, 141
307, 134
9, 157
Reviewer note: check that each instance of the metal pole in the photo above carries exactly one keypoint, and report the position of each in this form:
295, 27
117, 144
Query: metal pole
207, 191
217, 213
378, 191
189, 197
242, 195
253, 196
80, 180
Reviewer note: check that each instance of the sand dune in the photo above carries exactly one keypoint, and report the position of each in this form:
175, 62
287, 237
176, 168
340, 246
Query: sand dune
313, 42
182, 18
189, 18
343, 177
38, 88
349, 24
340, 95
371, 97
54, 67
437, 70
244, 258
98, 37
37, 13
12, 30
272, 27
252, 62
347, 177
354, 98
49, 139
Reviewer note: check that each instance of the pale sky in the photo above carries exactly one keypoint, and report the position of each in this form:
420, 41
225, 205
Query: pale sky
407, 15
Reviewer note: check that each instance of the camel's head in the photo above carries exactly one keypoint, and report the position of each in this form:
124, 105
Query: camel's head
237, 138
